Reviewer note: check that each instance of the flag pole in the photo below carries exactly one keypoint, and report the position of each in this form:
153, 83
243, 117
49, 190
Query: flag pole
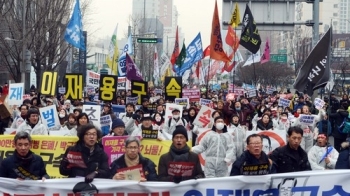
254, 70
208, 77
329, 65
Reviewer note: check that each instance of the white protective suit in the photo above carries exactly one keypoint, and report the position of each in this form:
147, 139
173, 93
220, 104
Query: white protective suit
308, 136
219, 152
239, 137
129, 122
316, 153
39, 128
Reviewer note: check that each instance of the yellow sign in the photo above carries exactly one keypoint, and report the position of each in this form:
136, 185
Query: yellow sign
139, 89
74, 86
173, 88
49, 83
50, 148
108, 87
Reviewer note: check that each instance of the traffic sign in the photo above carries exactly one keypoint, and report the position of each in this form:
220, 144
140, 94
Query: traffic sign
282, 51
278, 58
147, 40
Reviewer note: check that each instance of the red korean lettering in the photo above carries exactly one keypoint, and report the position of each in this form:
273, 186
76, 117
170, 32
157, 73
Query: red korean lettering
48, 145
204, 120
147, 150
35, 144
154, 149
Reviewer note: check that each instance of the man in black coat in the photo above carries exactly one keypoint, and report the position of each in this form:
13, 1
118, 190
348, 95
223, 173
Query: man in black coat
291, 157
254, 156
133, 160
23, 164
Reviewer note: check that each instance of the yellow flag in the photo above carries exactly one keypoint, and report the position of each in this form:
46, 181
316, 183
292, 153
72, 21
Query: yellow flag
113, 53
236, 17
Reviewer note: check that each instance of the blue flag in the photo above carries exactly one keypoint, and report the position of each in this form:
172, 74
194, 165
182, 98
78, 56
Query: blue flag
194, 53
74, 30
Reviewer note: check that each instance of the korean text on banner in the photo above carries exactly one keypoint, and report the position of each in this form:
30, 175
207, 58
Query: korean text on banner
132, 100
139, 89
49, 116
108, 87
307, 119
92, 79
203, 117
48, 83
319, 103
185, 102
311, 183
50, 148
15, 96
173, 88
205, 102
74, 86
94, 113
114, 147
105, 120
251, 93
192, 94
284, 102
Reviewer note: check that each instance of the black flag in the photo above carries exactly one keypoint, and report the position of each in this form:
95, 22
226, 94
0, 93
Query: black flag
250, 38
315, 72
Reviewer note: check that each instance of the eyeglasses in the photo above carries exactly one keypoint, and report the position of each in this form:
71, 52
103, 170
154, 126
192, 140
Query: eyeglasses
256, 144
91, 134
132, 147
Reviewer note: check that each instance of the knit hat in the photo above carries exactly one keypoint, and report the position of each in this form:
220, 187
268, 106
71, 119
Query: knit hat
180, 130
117, 123
84, 187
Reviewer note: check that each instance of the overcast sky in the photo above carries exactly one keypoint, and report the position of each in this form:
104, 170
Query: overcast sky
194, 16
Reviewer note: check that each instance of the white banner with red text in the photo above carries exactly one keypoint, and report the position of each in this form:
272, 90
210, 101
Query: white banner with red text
311, 183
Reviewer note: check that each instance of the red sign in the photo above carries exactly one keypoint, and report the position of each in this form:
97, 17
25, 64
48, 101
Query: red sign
180, 168
75, 159
192, 94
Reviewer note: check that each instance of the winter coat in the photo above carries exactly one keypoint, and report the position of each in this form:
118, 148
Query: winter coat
318, 118
38, 129
316, 153
173, 123
164, 164
248, 159
96, 161
149, 168
243, 113
14, 167
338, 119
264, 127
343, 158
17, 122
286, 161
239, 136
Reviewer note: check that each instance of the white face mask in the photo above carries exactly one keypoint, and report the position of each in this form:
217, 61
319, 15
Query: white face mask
219, 126
61, 115
158, 119
176, 116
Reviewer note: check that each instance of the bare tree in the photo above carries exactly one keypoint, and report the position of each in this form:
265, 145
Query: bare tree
45, 23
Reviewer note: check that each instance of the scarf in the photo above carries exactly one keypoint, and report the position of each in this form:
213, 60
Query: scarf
179, 155
131, 163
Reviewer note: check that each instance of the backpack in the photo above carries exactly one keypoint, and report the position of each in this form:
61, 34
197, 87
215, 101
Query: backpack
345, 125
183, 121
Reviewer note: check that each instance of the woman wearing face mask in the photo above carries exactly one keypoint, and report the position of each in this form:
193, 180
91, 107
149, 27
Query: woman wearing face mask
218, 148
62, 116
265, 123
238, 133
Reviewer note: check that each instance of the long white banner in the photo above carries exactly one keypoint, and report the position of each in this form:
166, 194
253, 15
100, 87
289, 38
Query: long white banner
312, 183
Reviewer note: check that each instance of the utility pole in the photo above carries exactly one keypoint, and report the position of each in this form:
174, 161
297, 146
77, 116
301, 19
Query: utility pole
316, 20
23, 70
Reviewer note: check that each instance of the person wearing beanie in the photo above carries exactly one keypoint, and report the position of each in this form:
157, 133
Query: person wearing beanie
219, 150
238, 133
322, 155
179, 154
118, 128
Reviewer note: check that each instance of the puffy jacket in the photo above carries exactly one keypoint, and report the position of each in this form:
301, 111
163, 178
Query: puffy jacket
96, 161
248, 159
15, 167
286, 161
343, 158
38, 129
149, 168
316, 153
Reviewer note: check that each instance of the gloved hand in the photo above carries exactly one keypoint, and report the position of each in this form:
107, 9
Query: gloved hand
90, 177
135, 116
177, 179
